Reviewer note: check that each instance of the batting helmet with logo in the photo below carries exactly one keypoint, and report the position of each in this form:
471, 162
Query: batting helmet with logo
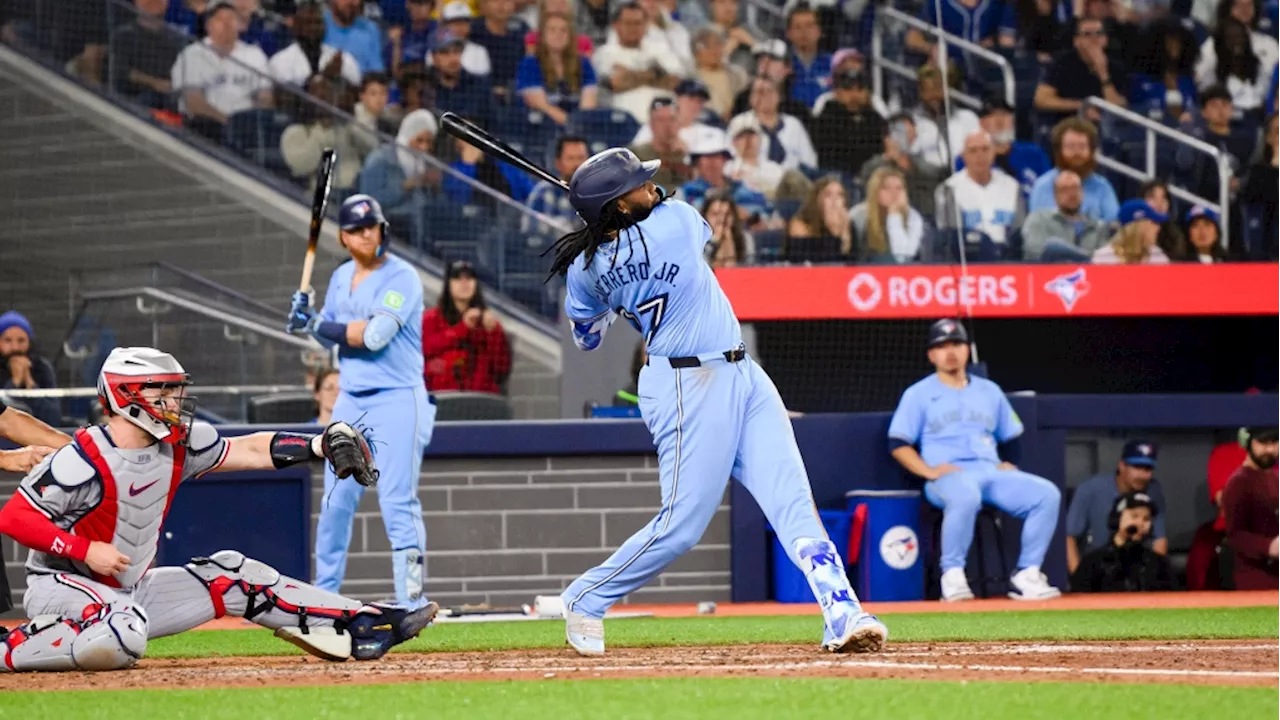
362, 211
607, 176
947, 330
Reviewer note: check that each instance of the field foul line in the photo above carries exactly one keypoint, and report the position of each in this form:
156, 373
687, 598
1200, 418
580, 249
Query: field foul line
1100, 649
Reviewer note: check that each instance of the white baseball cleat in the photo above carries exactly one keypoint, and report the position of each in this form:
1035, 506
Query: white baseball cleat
863, 634
585, 635
955, 586
1031, 584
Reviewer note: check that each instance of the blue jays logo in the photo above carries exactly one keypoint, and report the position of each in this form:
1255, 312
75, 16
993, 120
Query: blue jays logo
1069, 288
899, 547
360, 210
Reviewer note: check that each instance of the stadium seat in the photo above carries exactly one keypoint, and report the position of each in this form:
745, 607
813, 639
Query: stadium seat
454, 405
986, 564
604, 127
769, 245
282, 408
255, 134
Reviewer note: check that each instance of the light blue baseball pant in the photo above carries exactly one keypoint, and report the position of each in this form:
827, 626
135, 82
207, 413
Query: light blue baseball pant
708, 422
960, 496
400, 421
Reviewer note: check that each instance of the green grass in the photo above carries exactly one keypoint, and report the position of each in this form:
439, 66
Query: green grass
668, 699
1162, 624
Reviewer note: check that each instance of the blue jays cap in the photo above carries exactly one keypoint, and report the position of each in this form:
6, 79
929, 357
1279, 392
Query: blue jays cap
1139, 453
443, 39
1137, 209
947, 330
1200, 211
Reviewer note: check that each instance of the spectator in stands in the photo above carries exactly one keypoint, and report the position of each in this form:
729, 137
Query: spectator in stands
497, 31
1217, 109
1246, 66
1171, 238
303, 142
785, 139
923, 177
399, 177
463, 344
1124, 563
1088, 525
1044, 26
1023, 161
555, 80
1075, 146
256, 28
709, 153
22, 369
887, 227
325, 390
1262, 188
690, 106
849, 131
1081, 72
773, 62
370, 112
1063, 225
142, 54
666, 144
551, 200
77, 31
842, 61
347, 30
593, 19
664, 34
221, 75
748, 166
730, 245
977, 21
723, 80
410, 43
811, 68
558, 7
632, 71
930, 116
981, 197
451, 88
1249, 502
822, 230
457, 18
309, 55
740, 42
1135, 243
1163, 86
1204, 232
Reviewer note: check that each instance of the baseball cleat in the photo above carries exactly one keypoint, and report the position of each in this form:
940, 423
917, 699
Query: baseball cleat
585, 635
1031, 584
864, 634
955, 586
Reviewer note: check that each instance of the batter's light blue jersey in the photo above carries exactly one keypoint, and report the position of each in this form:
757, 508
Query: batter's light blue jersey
670, 296
955, 425
395, 290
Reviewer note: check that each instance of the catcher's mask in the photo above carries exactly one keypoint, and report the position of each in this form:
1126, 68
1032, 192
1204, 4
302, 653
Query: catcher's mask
149, 389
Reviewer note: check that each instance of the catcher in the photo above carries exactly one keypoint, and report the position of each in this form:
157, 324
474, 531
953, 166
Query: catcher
92, 513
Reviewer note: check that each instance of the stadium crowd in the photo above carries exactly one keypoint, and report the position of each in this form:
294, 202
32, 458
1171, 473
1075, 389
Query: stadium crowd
775, 120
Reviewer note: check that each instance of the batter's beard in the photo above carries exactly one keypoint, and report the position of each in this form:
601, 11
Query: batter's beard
638, 214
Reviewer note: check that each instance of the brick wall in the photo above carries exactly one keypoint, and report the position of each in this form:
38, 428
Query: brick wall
502, 530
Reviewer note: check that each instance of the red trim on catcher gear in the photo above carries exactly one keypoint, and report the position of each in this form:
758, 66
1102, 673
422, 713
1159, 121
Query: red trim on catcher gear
100, 523
9, 646
217, 589
124, 390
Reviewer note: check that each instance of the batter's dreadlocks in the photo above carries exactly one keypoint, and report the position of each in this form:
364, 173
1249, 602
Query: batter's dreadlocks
587, 241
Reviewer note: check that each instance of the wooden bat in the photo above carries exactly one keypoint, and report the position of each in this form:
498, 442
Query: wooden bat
463, 129
319, 203
473, 610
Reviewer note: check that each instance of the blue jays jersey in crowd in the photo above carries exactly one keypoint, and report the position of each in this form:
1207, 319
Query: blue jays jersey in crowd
974, 24
395, 290
955, 425
669, 295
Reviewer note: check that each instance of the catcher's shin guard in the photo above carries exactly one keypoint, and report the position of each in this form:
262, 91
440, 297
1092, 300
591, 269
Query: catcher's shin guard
110, 637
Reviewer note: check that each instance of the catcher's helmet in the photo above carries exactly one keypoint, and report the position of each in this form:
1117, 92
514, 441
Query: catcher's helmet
607, 176
947, 330
128, 371
362, 211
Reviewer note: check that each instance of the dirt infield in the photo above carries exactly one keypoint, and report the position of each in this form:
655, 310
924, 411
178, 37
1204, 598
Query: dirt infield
1225, 663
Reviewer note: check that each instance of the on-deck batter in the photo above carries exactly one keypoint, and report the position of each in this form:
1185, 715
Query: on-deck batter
712, 410
92, 514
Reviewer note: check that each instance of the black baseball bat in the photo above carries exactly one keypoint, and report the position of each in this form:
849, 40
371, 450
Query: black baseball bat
490, 145
319, 203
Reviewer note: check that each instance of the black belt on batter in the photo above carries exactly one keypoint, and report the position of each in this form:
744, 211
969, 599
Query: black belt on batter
735, 355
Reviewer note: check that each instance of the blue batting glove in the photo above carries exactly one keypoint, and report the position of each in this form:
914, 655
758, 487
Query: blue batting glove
301, 314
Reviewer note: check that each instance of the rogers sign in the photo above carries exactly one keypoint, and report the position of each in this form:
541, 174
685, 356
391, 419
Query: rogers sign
868, 292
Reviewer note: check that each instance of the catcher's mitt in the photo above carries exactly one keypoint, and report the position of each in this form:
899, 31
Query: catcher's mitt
348, 452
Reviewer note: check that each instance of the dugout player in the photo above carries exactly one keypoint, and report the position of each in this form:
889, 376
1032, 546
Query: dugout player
958, 420
92, 513
373, 313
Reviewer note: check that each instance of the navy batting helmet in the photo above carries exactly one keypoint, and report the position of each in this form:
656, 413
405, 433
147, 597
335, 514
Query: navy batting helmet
947, 330
607, 176
362, 211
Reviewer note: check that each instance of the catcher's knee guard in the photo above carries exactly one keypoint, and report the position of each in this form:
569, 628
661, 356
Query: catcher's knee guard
110, 637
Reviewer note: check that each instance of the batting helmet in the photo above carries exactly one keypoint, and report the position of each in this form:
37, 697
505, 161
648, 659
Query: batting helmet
362, 211
947, 330
607, 176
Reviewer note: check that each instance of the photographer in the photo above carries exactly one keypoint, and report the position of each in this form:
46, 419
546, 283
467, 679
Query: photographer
1126, 564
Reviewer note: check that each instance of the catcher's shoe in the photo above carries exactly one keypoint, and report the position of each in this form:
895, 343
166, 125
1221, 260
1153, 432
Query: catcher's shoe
862, 633
584, 634
380, 627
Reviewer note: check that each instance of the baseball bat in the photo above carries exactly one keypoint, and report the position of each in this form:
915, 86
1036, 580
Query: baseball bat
490, 145
319, 203
473, 610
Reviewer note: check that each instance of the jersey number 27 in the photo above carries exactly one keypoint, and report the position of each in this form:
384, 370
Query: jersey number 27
656, 305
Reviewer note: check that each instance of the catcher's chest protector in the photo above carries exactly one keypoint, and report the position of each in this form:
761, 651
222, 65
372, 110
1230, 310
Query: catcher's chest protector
137, 490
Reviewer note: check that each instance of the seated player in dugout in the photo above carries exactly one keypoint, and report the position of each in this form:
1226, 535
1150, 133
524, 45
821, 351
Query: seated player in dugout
967, 433
92, 513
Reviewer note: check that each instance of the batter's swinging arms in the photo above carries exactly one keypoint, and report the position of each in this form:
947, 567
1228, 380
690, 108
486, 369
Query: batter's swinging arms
712, 410
92, 512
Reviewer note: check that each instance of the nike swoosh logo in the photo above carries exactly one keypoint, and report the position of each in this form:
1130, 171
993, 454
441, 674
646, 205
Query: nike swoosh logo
136, 491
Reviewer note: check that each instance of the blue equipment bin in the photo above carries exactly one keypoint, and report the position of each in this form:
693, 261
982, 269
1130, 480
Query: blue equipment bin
789, 585
890, 562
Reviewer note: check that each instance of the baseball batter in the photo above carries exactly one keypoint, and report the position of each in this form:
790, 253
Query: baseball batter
373, 314
712, 410
964, 424
92, 514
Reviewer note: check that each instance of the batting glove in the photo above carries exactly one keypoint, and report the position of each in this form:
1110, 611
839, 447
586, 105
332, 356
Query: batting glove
301, 315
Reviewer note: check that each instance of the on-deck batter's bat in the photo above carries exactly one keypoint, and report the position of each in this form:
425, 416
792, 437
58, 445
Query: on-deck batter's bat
463, 129
473, 610
319, 203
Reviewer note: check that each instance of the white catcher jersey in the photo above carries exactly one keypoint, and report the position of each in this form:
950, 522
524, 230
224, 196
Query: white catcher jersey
95, 490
